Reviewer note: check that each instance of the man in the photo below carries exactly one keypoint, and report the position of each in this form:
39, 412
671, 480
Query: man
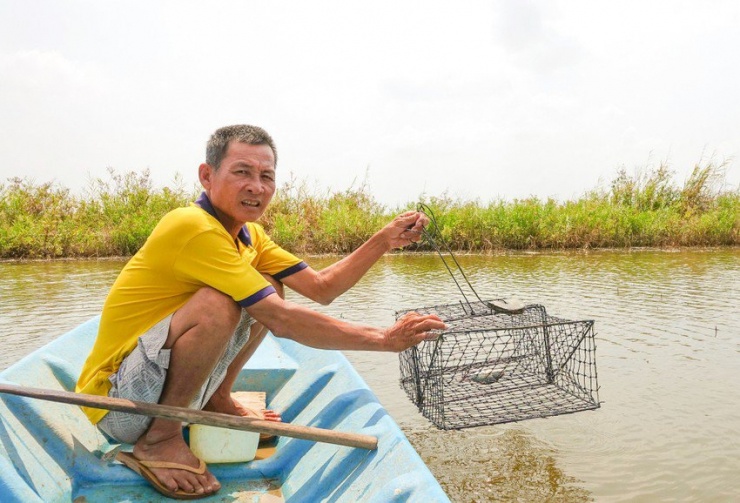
191, 307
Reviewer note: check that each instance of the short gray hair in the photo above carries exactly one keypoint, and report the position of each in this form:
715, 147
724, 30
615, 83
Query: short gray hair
218, 144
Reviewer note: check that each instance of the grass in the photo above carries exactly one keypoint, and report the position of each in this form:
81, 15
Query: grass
114, 216
646, 210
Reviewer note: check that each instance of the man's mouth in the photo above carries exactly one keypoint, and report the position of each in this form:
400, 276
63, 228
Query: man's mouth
252, 203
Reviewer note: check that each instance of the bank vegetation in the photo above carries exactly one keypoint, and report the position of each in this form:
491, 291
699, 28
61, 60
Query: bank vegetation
114, 216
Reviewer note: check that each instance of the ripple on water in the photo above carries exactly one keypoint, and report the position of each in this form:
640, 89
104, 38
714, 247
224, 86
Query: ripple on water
39, 301
667, 336
508, 465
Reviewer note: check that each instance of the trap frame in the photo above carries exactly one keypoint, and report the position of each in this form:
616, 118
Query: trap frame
489, 368
493, 365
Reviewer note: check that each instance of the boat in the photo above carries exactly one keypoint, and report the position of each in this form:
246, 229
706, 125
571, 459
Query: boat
49, 451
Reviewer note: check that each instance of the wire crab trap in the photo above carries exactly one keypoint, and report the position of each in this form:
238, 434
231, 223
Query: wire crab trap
498, 361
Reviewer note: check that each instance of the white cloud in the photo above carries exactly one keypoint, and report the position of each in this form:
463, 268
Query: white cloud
482, 99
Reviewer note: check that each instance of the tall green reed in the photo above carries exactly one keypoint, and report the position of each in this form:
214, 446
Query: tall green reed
114, 216
647, 209
304, 220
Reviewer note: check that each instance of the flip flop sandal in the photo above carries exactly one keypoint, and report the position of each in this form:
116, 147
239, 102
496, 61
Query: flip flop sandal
143, 469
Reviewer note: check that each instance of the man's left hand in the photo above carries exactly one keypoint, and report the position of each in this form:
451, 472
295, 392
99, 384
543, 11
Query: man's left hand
405, 229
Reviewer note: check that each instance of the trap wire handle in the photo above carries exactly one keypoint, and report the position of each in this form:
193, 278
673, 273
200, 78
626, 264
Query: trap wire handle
429, 236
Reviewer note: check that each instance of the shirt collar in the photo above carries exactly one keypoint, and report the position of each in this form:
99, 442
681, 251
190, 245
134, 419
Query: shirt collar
206, 205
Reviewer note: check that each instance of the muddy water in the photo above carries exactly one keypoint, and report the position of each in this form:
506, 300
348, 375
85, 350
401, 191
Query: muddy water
668, 358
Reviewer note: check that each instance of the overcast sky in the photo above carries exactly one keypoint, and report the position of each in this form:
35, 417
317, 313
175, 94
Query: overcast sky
479, 99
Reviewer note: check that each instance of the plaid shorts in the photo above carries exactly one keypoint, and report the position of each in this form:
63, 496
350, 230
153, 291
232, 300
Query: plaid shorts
142, 374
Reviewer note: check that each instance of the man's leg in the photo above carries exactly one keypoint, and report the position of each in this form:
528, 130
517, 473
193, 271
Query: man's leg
221, 400
199, 333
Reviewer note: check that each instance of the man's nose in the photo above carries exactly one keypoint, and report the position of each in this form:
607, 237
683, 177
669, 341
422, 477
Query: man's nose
254, 185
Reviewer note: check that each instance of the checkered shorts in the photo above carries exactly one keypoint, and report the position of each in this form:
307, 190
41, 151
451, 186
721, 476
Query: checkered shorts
142, 374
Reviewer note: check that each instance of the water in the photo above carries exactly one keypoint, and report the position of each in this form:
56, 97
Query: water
668, 358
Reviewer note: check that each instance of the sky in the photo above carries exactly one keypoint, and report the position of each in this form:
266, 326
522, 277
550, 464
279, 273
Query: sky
478, 100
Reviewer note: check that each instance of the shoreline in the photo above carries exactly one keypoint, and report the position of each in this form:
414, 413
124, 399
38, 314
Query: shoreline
457, 253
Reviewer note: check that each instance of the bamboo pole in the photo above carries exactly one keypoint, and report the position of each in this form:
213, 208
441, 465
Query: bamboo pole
207, 418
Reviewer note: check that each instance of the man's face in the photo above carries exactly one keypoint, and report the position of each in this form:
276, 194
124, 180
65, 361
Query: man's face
243, 186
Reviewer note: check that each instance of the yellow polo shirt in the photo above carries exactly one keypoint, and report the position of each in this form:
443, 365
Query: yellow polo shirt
188, 249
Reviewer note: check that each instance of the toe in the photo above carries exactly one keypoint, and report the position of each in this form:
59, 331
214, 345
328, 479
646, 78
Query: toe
171, 484
208, 483
271, 415
199, 483
185, 483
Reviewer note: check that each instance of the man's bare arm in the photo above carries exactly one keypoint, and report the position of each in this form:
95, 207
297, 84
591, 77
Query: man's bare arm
308, 327
326, 285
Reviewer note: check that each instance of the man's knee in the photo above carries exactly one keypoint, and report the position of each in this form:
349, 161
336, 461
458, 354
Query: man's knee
216, 306
207, 307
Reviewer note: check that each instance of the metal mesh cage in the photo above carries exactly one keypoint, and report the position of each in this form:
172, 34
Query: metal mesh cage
489, 367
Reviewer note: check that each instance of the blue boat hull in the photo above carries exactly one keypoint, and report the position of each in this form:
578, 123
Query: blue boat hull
49, 452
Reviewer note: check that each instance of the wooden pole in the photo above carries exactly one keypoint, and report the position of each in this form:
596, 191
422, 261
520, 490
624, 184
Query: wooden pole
196, 416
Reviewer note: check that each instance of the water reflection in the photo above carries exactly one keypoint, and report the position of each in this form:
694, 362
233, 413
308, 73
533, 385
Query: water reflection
41, 300
668, 338
486, 464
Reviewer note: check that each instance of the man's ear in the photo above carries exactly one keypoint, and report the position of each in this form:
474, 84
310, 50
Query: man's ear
205, 172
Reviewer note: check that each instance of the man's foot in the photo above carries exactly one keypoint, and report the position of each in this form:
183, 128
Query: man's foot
174, 450
244, 404
235, 407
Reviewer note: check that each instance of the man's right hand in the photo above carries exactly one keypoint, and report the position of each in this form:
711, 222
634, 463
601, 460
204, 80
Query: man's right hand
411, 329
